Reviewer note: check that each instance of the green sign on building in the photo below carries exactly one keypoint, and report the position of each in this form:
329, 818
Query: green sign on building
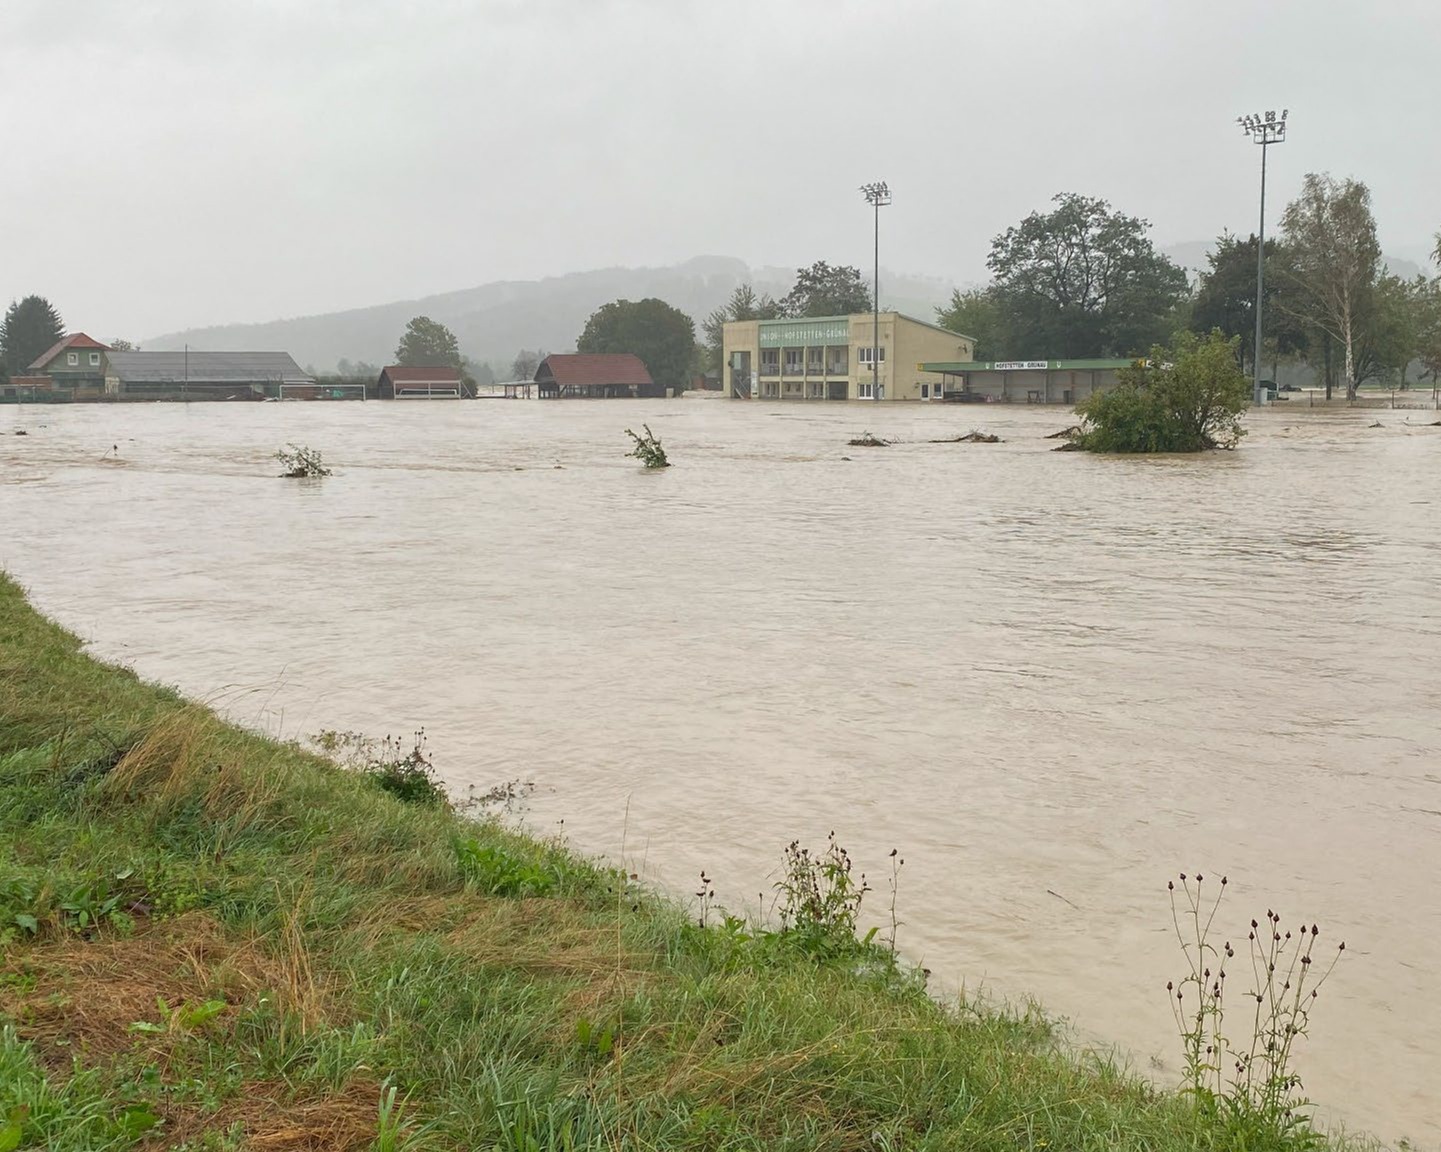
833, 330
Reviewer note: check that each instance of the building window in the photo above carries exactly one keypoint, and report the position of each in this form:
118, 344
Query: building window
72, 358
794, 361
925, 391
770, 361
863, 355
864, 391
95, 359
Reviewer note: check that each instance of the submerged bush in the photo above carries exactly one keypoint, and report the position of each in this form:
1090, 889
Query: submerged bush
1186, 398
408, 775
648, 448
300, 462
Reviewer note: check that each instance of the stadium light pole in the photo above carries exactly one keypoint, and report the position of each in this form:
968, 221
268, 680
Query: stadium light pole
878, 195
1264, 129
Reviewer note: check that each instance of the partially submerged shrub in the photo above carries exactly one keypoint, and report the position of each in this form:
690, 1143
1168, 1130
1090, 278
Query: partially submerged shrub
820, 899
1186, 398
648, 448
408, 775
1248, 1081
300, 462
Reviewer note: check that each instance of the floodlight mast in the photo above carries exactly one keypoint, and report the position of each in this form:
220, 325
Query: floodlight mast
878, 195
1264, 129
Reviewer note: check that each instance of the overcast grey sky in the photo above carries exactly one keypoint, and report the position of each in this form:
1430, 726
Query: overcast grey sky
183, 162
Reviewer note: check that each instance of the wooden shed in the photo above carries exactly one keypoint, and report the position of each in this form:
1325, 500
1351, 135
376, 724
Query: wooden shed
412, 382
594, 375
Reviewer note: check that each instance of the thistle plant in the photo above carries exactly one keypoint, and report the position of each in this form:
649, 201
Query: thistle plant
1250, 1081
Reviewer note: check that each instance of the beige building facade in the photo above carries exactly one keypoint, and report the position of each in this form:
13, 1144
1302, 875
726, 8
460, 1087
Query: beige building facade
829, 358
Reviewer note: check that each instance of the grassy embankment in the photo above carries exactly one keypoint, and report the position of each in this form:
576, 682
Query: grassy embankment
212, 940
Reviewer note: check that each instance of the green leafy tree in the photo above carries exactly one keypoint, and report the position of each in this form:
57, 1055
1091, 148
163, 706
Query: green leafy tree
1428, 330
1391, 330
821, 290
1226, 299
663, 337
1335, 264
30, 327
977, 313
743, 304
428, 343
1187, 397
1083, 280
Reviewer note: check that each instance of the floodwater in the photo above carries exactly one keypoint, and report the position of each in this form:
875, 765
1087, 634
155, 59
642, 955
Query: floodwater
1051, 681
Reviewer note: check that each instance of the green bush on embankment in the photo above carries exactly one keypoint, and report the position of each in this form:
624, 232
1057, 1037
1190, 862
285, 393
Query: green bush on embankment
212, 940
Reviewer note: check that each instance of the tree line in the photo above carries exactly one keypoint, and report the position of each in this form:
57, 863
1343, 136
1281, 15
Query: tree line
1079, 280
1084, 281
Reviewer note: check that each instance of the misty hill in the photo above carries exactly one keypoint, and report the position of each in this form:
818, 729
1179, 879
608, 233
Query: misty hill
494, 321
1191, 255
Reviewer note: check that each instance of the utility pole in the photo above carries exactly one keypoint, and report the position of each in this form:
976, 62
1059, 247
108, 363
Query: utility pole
1264, 130
878, 195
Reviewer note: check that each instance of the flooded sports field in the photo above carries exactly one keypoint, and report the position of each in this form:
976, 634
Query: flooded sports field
1052, 681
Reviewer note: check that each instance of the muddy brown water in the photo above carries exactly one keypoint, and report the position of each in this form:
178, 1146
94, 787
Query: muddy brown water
1051, 681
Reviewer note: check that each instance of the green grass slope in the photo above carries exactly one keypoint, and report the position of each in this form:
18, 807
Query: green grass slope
209, 940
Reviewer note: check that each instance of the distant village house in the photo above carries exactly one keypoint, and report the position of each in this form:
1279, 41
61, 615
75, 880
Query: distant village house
80, 368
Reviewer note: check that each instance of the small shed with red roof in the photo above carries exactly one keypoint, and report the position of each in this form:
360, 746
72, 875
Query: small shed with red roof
414, 382
594, 375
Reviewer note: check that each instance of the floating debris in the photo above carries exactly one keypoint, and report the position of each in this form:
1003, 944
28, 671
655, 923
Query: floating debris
1066, 433
972, 437
867, 440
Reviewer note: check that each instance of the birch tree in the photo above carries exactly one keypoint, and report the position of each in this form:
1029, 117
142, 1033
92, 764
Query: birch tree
1335, 261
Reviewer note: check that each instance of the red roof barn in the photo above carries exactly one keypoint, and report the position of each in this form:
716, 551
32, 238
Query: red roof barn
594, 374
408, 382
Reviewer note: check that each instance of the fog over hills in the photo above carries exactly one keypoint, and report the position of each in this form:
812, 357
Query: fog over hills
494, 321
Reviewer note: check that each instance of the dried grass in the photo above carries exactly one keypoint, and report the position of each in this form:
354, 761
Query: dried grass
543, 936
81, 996
272, 1121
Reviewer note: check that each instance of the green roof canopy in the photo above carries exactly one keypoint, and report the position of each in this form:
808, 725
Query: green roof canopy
959, 366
